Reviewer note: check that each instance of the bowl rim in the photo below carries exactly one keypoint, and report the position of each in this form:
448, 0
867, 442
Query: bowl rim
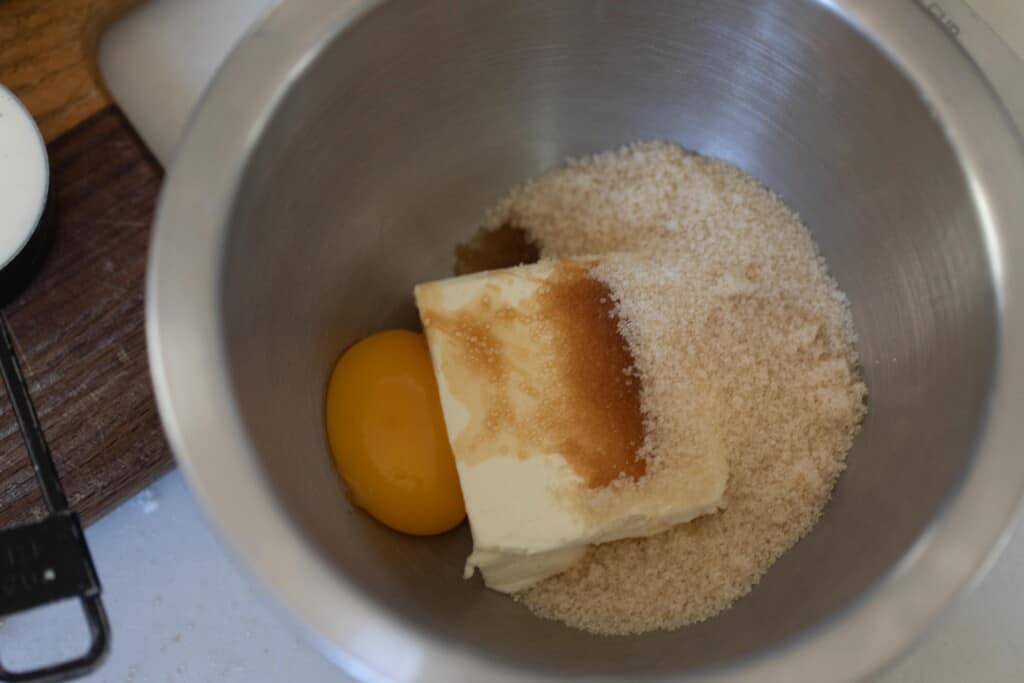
190, 377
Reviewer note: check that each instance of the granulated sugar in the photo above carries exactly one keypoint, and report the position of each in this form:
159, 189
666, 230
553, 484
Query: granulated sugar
729, 312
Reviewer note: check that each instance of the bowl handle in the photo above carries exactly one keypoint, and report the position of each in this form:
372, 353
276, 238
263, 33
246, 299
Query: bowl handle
46, 561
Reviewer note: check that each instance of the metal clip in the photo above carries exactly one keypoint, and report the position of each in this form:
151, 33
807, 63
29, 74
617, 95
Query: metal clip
43, 562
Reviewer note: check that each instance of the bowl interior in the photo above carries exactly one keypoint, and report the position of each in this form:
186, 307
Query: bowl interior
391, 142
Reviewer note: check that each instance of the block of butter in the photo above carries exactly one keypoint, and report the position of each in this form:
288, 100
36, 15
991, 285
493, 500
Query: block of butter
543, 408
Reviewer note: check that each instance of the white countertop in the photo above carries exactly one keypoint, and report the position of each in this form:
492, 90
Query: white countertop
179, 608
182, 611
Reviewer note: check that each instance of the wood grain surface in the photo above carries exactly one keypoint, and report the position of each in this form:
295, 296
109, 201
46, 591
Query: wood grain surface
79, 329
47, 58
79, 326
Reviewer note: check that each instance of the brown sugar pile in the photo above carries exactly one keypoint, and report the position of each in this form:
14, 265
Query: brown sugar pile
729, 312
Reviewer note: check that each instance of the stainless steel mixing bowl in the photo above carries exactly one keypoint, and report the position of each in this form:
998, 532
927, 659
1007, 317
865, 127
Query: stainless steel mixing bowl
347, 146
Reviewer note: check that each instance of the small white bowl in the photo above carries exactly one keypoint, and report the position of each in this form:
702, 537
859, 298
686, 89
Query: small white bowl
24, 177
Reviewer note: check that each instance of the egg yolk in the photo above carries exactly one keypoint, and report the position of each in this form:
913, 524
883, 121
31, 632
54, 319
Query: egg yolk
387, 434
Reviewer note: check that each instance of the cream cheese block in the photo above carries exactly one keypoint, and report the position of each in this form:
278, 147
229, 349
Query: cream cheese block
545, 414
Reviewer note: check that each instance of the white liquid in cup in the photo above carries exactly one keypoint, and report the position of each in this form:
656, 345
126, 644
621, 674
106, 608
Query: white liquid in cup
24, 176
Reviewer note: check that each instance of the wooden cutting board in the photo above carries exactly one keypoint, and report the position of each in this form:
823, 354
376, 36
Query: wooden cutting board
78, 328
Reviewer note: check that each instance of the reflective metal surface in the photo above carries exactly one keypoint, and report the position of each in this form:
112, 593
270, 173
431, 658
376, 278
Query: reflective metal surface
347, 146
